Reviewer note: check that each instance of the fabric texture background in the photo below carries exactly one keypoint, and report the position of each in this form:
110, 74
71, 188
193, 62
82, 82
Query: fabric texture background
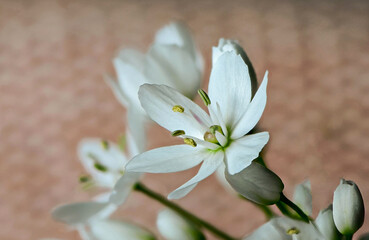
52, 94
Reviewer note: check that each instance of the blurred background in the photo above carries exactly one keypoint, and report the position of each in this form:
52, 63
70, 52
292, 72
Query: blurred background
52, 94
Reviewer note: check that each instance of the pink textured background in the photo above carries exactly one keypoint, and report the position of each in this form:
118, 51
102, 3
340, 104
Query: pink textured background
52, 58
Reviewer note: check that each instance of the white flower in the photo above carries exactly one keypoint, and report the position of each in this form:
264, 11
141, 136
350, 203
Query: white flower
302, 197
174, 227
212, 140
283, 228
348, 207
172, 60
118, 230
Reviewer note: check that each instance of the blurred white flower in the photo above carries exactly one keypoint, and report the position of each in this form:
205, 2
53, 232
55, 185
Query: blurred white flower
348, 207
302, 197
220, 137
172, 60
118, 230
283, 228
174, 227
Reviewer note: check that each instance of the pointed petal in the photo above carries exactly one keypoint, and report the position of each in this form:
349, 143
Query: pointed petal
114, 86
302, 197
230, 87
167, 159
77, 213
94, 151
123, 187
210, 165
173, 66
241, 152
136, 131
129, 67
159, 100
253, 112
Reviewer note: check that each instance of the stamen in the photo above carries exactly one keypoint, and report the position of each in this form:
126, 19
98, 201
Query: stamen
84, 179
204, 96
210, 137
178, 108
178, 133
293, 231
100, 167
105, 144
190, 142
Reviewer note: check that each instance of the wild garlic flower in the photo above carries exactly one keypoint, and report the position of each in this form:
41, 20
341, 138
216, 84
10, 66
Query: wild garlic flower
213, 140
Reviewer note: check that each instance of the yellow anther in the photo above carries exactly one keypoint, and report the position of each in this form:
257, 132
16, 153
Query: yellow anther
190, 142
215, 128
292, 231
178, 108
204, 96
105, 144
178, 133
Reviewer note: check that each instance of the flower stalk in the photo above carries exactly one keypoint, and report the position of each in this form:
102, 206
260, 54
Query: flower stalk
139, 187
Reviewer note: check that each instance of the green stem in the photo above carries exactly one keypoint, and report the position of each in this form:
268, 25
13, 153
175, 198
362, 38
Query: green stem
298, 210
189, 216
348, 237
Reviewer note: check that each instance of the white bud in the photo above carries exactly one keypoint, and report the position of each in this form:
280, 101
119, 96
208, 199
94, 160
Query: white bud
348, 207
174, 227
114, 229
326, 226
257, 183
302, 197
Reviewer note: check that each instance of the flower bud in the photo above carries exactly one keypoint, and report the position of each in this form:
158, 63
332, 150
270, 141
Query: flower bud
174, 227
326, 226
114, 229
348, 207
257, 183
302, 197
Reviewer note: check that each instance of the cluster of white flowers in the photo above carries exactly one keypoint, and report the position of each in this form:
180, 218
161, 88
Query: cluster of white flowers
159, 86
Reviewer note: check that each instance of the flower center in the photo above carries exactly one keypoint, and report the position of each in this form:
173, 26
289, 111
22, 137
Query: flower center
209, 135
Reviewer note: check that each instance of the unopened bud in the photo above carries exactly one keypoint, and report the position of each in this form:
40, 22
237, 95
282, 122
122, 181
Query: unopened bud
257, 183
348, 207
173, 227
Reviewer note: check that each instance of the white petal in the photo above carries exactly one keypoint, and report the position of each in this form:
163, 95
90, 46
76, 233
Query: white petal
114, 229
173, 66
129, 67
116, 90
167, 159
209, 166
242, 151
136, 131
178, 34
302, 197
78, 213
123, 187
92, 151
221, 138
253, 112
230, 87
159, 100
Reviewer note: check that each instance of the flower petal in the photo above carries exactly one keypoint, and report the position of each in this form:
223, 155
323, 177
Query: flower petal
210, 165
253, 113
159, 100
78, 213
114, 86
167, 159
177, 33
123, 187
129, 67
136, 131
173, 66
242, 151
230, 87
